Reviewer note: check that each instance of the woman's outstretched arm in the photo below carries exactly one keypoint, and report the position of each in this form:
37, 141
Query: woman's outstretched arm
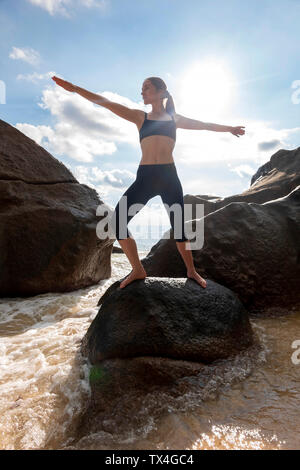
187, 123
235, 130
132, 115
98, 99
94, 97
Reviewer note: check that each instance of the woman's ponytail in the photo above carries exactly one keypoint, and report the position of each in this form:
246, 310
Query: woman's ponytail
160, 85
170, 107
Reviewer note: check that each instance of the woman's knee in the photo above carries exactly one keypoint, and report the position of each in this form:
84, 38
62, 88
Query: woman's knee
175, 210
119, 222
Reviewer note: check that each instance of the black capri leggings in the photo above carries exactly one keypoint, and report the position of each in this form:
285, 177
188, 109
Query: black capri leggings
152, 180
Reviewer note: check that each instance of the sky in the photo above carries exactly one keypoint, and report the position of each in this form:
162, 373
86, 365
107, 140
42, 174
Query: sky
232, 63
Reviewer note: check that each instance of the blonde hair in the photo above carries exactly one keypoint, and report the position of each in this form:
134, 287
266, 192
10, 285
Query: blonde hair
160, 85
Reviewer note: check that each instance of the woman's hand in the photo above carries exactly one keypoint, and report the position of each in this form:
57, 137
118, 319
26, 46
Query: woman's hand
237, 131
64, 84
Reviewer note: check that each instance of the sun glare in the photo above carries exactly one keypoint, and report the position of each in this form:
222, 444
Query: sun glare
207, 87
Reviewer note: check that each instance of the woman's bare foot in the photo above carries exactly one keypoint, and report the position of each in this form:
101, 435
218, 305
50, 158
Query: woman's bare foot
135, 274
197, 277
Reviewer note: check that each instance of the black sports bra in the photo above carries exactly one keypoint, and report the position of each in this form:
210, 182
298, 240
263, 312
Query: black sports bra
154, 127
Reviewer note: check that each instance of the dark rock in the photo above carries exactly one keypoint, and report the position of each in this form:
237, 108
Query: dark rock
48, 240
172, 318
253, 249
117, 249
280, 173
22, 159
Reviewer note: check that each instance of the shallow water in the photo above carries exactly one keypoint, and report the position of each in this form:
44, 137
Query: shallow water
249, 402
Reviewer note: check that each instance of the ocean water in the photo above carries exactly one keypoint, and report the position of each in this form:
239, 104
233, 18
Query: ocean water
147, 236
249, 402
143, 244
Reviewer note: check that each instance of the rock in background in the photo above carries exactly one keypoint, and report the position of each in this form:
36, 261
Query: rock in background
48, 240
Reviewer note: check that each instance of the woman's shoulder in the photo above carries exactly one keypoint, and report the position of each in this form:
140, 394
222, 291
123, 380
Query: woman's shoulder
140, 117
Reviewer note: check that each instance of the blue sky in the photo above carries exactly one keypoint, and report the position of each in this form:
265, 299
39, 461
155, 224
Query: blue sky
232, 62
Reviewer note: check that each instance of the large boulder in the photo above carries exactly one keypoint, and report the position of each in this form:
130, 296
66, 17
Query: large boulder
252, 249
166, 317
151, 346
48, 240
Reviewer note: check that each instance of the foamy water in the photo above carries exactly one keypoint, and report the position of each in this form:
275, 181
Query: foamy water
249, 402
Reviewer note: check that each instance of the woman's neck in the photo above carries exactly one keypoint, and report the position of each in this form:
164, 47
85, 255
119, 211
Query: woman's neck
158, 110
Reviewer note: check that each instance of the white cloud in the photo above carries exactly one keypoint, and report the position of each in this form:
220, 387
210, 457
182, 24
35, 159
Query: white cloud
35, 77
83, 175
26, 53
115, 178
243, 170
82, 130
109, 184
119, 179
37, 133
64, 7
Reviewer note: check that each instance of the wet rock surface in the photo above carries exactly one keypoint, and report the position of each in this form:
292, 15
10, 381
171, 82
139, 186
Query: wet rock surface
167, 317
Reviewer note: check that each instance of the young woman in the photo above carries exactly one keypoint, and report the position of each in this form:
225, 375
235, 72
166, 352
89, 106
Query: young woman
157, 174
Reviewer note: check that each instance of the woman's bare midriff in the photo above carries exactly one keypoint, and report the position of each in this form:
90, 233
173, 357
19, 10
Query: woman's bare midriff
156, 149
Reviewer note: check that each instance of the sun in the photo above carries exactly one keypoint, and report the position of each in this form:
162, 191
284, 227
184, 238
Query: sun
206, 86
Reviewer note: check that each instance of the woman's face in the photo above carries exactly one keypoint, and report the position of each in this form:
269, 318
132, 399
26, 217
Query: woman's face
149, 92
